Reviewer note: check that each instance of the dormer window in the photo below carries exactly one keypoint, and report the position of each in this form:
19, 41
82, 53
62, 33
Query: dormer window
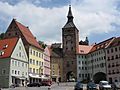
5, 46
2, 53
82, 51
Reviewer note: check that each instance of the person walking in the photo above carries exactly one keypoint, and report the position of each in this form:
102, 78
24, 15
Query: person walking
58, 83
113, 86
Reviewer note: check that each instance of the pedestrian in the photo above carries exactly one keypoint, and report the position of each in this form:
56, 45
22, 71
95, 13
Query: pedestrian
58, 83
113, 86
49, 88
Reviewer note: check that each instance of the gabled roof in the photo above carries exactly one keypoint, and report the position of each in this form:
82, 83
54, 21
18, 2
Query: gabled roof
102, 44
84, 49
7, 46
28, 35
115, 42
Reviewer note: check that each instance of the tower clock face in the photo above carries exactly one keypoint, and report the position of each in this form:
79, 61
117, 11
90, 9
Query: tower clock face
68, 37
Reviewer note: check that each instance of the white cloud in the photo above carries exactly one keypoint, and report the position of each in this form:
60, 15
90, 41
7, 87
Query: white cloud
91, 16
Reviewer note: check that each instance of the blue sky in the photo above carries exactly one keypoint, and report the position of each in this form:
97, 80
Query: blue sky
96, 19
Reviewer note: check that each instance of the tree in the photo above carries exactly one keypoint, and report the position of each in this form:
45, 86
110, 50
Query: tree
42, 44
2, 35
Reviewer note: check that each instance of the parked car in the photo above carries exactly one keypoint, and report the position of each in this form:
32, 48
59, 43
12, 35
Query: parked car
46, 83
14, 85
91, 86
117, 85
34, 85
71, 80
104, 85
78, 86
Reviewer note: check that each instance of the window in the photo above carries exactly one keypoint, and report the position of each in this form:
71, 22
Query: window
71, 48
109, 72
19, 47
3, 71
116, 49
37, 54
83, 75
37, 63
18, 63
33, 70
15, 72
33, 62
33, 52
79, 62
111, 50
22, 64
42, 63
53, 73
12, 62
37, 71
15, 63
113, 65
108, 58
30, 61
112, 58
72, 62
30, 70
79, 75
18, 72
116, 57
12, 71
19, 54
26, 65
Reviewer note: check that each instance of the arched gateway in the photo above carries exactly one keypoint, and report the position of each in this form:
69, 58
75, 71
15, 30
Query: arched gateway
99, 76
70, 76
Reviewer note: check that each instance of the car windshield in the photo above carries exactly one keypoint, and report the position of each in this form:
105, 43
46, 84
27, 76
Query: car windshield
105, 83
79, 83
92, 84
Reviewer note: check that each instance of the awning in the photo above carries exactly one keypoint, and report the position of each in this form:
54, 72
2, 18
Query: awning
20, 77
34, 76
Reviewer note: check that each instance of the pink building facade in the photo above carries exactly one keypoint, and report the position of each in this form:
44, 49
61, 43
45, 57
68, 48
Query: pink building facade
113, 61
47, 63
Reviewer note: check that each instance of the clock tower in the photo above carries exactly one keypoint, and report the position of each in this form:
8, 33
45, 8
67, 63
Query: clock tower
70, 40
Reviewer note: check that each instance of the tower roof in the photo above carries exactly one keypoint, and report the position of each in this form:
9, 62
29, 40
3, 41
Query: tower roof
70, 17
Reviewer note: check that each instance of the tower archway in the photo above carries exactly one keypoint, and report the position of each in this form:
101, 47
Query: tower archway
99, 76
70, 75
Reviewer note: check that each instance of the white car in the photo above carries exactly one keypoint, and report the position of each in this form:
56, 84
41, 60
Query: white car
117, 85
104, 85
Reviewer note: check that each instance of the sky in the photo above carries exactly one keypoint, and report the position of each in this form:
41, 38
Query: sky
96, 19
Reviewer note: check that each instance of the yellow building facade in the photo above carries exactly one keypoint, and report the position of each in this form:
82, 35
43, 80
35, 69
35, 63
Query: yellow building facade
36, 64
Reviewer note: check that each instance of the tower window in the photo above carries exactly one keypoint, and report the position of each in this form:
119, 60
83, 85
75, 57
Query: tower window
72, 48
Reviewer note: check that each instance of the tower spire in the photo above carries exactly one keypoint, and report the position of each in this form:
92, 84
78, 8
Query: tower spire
70, 16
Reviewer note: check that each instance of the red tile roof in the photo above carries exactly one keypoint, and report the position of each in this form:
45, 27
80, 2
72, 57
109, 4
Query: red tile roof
10, 45
115, 42
28, 35
102, 44
84, 49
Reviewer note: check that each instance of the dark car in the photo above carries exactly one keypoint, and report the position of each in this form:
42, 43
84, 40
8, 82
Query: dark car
46, 83
91, 86
78, 86
34, 85
14, 85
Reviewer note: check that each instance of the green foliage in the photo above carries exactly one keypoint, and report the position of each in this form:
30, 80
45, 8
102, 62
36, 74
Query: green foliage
2, 35
42, 44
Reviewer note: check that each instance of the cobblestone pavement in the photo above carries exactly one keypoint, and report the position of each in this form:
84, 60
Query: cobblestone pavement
62, 86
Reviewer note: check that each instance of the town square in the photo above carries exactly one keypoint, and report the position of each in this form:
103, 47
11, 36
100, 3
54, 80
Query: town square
73, 52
